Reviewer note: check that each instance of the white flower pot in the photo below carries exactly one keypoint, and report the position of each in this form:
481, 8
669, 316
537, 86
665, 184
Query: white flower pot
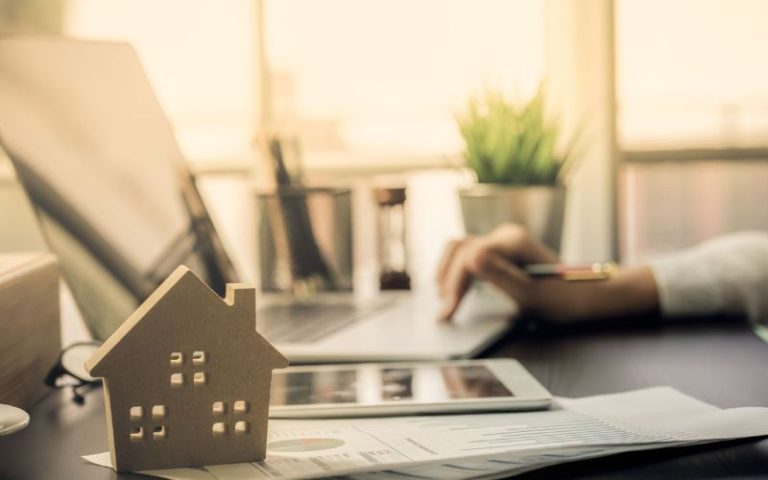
540, 209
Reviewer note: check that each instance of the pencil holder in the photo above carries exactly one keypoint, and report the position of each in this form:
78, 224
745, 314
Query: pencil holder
305, 240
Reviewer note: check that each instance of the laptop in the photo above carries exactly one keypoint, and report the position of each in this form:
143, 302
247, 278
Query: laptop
118, 205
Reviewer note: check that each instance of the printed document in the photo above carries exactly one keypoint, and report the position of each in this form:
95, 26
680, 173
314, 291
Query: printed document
486, 445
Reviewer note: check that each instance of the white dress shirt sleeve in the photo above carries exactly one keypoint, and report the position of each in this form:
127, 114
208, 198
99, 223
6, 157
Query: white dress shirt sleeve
727, 275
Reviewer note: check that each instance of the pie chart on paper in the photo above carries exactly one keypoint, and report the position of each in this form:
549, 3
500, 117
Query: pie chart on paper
296, 445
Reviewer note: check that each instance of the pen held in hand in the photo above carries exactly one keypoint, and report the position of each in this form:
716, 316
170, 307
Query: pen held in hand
597, 271
572, 273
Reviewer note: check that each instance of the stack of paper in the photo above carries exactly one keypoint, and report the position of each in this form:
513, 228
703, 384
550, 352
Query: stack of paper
485, 446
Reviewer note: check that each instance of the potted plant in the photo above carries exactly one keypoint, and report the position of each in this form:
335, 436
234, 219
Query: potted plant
513, 151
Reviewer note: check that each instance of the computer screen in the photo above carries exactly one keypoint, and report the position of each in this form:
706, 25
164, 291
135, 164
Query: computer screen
99, 162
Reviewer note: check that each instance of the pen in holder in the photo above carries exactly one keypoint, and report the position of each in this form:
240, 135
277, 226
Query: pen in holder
305, 234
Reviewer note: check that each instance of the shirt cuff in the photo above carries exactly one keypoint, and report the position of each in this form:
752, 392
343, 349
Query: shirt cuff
727, 275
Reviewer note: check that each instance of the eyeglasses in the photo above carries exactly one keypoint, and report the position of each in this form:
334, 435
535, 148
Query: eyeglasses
69, 370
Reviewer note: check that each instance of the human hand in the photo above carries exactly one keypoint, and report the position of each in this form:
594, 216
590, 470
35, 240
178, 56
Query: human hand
500, 257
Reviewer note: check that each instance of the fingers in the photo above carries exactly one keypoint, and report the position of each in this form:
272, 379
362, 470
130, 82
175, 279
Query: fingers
455, 280
516, 244
492, 257
476, 258
497, 270
446, 259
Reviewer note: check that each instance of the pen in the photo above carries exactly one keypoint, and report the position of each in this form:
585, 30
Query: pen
572, 273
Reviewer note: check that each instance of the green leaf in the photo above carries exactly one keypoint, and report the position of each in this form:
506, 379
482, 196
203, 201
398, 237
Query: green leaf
509, 143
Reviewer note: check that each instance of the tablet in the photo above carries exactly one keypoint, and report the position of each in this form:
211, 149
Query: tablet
375, 389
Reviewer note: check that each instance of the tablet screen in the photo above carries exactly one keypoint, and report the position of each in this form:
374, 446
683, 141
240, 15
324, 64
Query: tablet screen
374, 385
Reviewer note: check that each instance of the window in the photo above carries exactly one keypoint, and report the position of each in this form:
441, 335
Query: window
136, 413
241, 407
137, 434
177, 359
199, 378
200, 58
692, 121
177, 380
347, 76
384, 79
199, 358
698, 79
219, 429
159, 432
159, 412
241, 428
219, 408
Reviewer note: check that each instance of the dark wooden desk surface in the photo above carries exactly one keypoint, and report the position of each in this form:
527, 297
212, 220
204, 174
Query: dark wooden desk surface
723, 363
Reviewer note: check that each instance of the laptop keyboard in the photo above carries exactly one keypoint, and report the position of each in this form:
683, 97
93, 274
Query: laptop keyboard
309, 322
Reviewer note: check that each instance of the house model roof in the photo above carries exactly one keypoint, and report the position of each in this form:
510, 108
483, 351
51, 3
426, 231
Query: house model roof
167, 305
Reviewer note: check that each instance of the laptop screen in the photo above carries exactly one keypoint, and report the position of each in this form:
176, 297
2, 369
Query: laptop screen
100, 164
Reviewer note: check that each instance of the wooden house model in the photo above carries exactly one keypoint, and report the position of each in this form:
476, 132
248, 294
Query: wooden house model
187, 378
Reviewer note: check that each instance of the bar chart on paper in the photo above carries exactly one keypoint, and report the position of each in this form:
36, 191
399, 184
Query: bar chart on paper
305, 445
528, 430
298, 451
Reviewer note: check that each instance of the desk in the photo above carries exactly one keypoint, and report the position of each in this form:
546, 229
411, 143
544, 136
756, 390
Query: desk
721, 362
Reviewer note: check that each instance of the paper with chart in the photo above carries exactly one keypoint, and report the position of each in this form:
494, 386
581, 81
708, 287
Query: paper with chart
484, 445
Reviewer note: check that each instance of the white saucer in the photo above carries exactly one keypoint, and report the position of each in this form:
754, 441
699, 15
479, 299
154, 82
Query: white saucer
12, 419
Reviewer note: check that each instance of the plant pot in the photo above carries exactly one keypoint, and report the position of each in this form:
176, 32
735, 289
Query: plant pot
540, 209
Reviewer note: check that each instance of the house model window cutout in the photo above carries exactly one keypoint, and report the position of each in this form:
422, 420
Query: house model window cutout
187, 378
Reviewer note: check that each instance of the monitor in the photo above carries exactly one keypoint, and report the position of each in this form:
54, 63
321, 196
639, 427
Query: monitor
99, 162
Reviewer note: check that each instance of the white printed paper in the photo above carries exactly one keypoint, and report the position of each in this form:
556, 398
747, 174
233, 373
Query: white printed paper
491, 445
